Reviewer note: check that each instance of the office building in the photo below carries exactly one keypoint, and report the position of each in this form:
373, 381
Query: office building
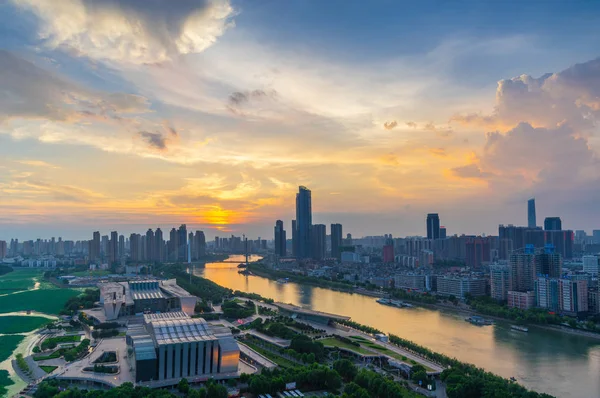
303, 222
547, 293
336, 241
319, 241
442, 232
573, 296
460, 286
552, 224
433, 226
499, 281
171, 346
280, 239
182, 251
520, 300
591, 265
522, 270
531, 218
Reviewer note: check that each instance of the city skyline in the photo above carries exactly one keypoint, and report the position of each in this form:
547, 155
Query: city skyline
215, 114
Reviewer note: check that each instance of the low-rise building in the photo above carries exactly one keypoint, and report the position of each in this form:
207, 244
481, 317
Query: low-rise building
521, 300
459, 286
410, 281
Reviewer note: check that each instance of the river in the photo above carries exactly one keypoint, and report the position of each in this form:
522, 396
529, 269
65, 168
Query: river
545, 361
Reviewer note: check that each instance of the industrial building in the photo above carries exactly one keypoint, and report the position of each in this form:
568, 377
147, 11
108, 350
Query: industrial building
169, 346
144, 296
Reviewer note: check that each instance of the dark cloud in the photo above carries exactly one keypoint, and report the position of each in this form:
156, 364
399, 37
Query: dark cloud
390, 125
411, 124
155, 140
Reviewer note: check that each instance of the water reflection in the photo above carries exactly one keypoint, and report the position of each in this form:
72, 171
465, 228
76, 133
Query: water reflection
559, 364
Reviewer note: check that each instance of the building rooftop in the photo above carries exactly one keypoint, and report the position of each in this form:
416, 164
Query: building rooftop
177, 327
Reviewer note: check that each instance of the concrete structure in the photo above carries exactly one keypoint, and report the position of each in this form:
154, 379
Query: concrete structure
499, 281
172, 345
591, 265
460, 286
296, 312
521, 300
144, 296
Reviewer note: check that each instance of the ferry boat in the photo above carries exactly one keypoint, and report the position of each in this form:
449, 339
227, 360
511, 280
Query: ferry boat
479, 321
394, 303
283, 280
519, 328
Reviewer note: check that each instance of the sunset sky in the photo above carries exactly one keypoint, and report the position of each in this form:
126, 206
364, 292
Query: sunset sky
128, 114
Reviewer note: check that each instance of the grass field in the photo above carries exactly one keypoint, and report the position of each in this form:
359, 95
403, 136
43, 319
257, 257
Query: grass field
48, 301
359, 338
5, 381
48, 369
21, 324
54, 355
331, 342
19, 280
8, 344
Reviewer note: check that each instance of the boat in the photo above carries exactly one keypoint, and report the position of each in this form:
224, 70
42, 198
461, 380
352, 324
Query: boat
479, 321
513, 379
394, 303
244, 272
519, 328
283, 280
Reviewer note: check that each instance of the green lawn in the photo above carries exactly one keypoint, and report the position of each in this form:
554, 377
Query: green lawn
21, 323
20, 279
48, 301
5, 381
359, 338
8, 344
48, 369
332, 342
54, 355
280, 361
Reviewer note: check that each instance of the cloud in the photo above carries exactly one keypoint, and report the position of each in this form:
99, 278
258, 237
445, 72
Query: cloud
155, 140
441, 152
411, 124
38, 163
239, 101
390, 125
571, 96
131, 31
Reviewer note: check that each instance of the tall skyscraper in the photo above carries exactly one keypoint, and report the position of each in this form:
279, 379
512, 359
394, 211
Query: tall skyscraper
135, 247
433, 226
552, 224
95, 247
442, 232
3, 249
294, 238
531, 219
173, 245
113, 248
304, 222
182, 243
199, 245
336, 241
150, 244
280, 239
121, 246
319, 241
159, 246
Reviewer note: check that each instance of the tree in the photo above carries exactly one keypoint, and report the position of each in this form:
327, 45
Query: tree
216, 391
346, 369
183, 386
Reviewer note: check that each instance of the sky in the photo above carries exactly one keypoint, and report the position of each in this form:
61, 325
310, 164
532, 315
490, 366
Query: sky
129, 114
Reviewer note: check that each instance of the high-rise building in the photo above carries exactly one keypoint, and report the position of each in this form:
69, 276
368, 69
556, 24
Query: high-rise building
104, 245
478, 251
522, 270
294, 238
280, 239
336, 241
159, 246
552, 224
548, 263
547, 293
113, 248
319, 241
531, 219
573, 296
95, 247
150, 243
499, 281
303, 222
173, 245
591, 265
388, 250
596, 236
121, 246
182, 243
562, 242
135, 247
442, 232
199, 245
433, 226
3, 249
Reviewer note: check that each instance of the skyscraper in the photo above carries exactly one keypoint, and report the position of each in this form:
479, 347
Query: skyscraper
150, 244
303, 222
121, 246
113, 248
319, 241
173, 245
3, 249
294, 238
199, 244
522, 270
433, 226
531, 220
336, 241
548, 263
552, 224
182, 243
135, 247
95, 247
280, 239
159, 246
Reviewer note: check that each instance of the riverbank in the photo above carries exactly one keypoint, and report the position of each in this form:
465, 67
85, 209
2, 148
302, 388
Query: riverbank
263, 271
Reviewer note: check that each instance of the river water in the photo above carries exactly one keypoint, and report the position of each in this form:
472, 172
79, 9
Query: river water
545, 361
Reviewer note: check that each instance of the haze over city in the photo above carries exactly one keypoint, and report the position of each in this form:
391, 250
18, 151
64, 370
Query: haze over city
129, 114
